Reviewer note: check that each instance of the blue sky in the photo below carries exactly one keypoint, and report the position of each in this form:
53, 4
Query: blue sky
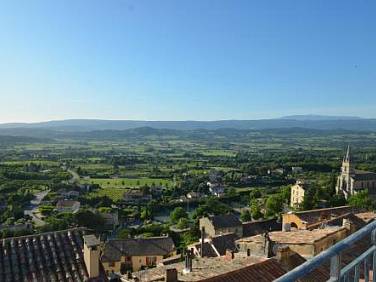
178, 60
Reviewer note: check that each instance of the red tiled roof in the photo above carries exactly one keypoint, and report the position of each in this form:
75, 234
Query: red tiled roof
265, 271
312, 217
53, 256
259, 227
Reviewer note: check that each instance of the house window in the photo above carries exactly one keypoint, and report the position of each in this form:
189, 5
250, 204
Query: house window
150, 261
127, 259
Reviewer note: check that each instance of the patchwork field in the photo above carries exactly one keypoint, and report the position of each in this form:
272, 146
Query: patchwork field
124, 183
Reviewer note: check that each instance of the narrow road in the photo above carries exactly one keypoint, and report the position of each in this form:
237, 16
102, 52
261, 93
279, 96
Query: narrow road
75, 177
33, 207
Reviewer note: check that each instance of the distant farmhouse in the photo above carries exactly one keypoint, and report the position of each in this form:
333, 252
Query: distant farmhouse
68, 206
352, 180
136, 196
216, 189
296, 169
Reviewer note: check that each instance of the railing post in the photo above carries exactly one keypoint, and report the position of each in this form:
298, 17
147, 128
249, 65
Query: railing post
373, 240
335, 268
350, 271
373, 266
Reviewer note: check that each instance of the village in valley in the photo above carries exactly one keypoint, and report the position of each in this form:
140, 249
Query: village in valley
187, 141
178, 209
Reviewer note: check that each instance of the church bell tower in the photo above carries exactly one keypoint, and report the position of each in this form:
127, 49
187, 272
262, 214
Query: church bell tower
347, 168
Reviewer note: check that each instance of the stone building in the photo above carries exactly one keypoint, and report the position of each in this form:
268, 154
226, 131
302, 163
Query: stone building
352, 180
215, 246
307, 243
120, 256
312, 219
221, 224
297, 193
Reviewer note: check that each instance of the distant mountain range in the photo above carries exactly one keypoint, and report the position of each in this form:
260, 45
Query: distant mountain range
320, 117
80, 126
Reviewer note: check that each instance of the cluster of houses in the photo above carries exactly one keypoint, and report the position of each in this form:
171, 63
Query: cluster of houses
227, 249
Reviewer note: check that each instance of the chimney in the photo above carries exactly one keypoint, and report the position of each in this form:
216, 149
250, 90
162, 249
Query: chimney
283, 255
91, 255
202, 241
171, 275
348, 224
230, 255
268, 245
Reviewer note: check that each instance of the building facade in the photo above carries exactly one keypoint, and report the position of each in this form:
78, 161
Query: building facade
352, 180
307, 243
297, 193
120, 256
221, 224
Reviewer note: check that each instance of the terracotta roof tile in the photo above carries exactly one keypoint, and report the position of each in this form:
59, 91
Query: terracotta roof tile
54, 256
265, 271
115, 249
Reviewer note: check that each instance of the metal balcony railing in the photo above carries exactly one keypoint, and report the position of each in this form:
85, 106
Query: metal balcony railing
350, 272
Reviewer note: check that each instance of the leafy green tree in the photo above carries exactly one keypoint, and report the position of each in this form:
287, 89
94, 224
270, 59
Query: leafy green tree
177, 214
285, 193
231, 192
255, 194
332, 185
123, 234
274, 205
255, 210
310, 200
361, 200
199, 212
90, 220
245, 216
183, 223
46, 210
146, 214
211, 205
104, 209
337, 201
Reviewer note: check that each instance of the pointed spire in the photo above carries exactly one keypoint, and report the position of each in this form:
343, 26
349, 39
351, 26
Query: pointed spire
348, 154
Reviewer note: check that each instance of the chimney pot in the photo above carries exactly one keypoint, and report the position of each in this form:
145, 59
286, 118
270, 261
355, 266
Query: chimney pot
171, 275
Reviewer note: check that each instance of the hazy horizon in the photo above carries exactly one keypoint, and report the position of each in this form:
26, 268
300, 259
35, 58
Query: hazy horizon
323, 117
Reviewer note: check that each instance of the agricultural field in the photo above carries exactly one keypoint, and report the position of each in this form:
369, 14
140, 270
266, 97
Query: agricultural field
113, 193
123, 183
